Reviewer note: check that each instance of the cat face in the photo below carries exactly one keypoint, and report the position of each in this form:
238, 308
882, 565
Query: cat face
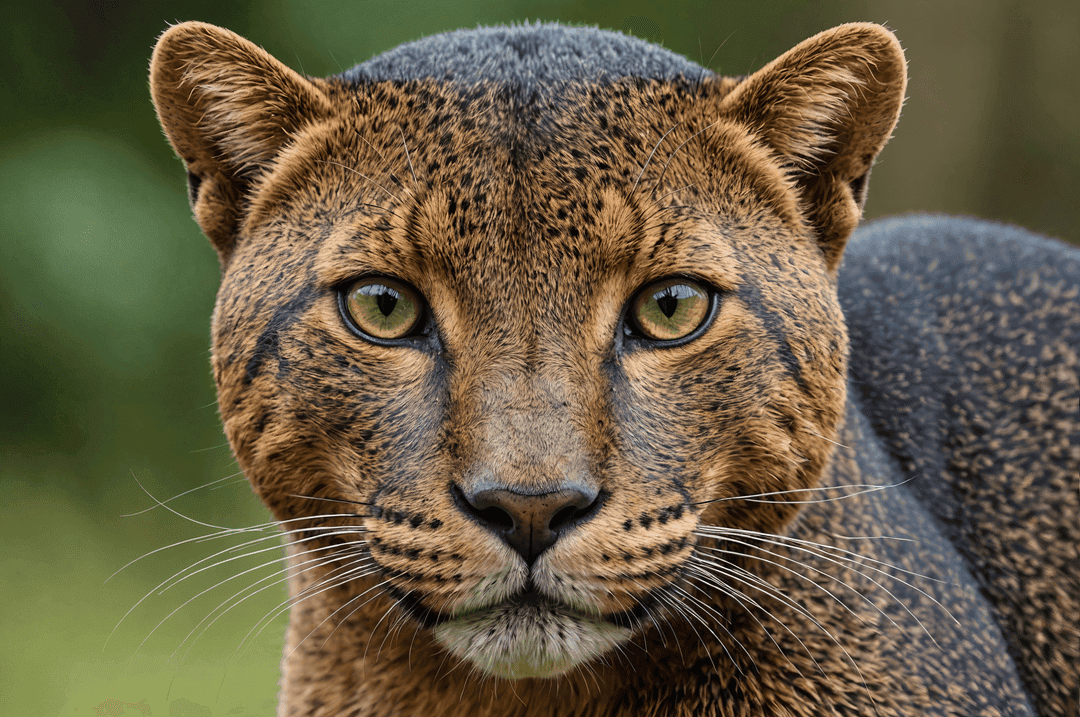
501, 359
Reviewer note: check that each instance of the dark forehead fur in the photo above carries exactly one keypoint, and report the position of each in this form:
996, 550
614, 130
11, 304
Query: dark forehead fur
529, 57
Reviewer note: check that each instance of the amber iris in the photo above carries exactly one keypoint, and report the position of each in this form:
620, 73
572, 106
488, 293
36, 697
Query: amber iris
670, 309
383, 308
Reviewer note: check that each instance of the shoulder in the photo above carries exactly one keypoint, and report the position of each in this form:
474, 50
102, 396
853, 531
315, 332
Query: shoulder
950, 318
938, 245
964, 339
924, 286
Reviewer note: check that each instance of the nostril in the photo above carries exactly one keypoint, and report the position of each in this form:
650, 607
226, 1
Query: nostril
577, 513
496, 517
488, 512
563, 518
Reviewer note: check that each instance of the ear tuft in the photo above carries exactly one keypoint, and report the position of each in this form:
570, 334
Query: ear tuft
228, 109
827, 108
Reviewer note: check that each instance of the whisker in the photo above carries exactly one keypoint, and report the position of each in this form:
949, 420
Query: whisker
659, 594
171, 510
757, 583
671, 156
649, 158
755, 497
223, 533
203, 592
402, 617
373, 630
739, 597
328, 532
836, 560
324, 589
674, 191
789, 602
375, 149
813, 582
839, 445
284, 577
332, 500
408, 156
179, 495
361, 174
844, 554
335, 612
356, 570
165, 584
710, 609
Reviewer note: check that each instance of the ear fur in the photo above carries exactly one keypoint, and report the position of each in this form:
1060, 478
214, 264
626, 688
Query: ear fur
827, 107
228, 108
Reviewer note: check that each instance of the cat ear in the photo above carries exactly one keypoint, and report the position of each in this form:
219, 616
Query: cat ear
827, 107
228, 109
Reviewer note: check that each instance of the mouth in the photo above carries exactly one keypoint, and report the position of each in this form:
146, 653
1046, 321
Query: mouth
529, 635
526, 598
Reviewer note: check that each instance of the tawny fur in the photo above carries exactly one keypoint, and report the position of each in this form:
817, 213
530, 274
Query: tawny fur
528, 232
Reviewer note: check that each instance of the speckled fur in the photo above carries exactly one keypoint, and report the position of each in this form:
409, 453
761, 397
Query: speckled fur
528, 215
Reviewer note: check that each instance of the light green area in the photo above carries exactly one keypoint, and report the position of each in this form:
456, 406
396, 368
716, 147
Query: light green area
60, 613
106, 288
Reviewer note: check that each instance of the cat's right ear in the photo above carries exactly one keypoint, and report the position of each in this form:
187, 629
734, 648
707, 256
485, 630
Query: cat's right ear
228, 109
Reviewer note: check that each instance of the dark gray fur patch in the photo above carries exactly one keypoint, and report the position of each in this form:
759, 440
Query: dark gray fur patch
750, 293
529, 56
267, 345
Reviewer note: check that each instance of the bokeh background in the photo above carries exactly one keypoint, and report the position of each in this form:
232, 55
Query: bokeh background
106, 288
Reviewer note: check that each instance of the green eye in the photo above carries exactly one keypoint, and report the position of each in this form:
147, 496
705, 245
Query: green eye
383, 308
670, 309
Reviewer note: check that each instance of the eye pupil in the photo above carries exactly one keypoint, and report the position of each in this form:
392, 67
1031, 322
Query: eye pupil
667, 304
386, 302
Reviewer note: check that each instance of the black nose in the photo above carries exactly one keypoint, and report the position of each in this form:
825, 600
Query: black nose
530, 524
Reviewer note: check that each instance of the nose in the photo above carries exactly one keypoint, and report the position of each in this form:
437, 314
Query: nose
530, 523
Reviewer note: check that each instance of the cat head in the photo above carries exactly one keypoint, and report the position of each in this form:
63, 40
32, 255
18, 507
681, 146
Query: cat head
529, 335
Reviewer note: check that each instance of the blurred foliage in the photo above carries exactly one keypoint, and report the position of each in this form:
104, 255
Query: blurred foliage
106, 288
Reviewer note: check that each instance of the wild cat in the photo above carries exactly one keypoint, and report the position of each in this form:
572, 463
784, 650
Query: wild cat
572, 391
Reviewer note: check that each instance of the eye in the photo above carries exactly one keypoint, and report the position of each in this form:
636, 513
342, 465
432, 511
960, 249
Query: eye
670, 309
383, 308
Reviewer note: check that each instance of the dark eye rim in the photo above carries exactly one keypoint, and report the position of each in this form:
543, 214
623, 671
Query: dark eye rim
632, 331
419, 329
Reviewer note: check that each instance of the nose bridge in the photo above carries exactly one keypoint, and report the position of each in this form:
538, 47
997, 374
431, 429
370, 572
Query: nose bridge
528, 438
529, 478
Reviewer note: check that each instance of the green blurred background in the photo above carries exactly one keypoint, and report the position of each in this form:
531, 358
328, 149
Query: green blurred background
106, 288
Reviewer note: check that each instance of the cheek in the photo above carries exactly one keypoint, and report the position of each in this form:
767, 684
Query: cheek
381, 410
677, 409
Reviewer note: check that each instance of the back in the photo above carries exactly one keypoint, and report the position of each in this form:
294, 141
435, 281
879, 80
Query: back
964, 340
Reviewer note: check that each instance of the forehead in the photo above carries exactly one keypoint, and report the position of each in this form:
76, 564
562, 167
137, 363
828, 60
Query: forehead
581, 177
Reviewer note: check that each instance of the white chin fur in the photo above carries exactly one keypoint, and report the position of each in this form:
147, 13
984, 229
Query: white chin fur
523, 640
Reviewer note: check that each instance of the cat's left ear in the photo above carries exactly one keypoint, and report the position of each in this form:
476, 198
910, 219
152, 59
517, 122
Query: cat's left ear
827, 107
229, 110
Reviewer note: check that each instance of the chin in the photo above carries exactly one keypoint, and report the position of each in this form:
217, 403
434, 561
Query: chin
518, 639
